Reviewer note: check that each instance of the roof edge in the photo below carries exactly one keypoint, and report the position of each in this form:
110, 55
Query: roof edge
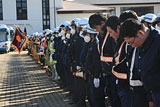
127, 4
81, 11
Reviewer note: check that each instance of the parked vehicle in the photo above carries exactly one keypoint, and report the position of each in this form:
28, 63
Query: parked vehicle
5, 39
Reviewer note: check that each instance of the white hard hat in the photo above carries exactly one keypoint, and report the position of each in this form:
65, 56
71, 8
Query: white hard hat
158, 17
150, 17
69, 27
41, 34
35, 34
11, 28
56, 29
28, 36
44, 31
76, 20
3, 26
141, 18
48, 32
83, 21
91, 30
66, 23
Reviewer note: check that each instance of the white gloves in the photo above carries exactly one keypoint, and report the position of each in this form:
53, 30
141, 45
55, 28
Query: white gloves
96, 82
64, 41
78, 67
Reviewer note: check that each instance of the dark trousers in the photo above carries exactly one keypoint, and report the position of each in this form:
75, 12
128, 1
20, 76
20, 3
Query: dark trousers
42, 59
96, 96
60, 68
139, 97
156, 99
69, 76
112, 92
29, 51
125, 96
79, 91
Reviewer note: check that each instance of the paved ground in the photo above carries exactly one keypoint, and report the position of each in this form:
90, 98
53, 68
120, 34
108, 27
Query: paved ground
24, 84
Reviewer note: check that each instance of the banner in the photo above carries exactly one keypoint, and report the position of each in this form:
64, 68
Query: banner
19, 40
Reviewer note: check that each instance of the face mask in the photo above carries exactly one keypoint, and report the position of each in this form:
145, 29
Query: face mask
157, 27
52, 37
80, 34
87, 39
63, 38
62, 32
73, 31
56, 35
59, 35
68, 36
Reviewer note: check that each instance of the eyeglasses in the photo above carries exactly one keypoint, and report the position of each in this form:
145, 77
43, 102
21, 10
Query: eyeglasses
132, 42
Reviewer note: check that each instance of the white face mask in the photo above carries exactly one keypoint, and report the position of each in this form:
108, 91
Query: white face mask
68, 36
87, 39
63, 37
59, 35
52, 37
157, 27
73, 31
80, 34
62, 32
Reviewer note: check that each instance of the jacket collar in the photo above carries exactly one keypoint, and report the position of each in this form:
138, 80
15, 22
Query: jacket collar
149, 39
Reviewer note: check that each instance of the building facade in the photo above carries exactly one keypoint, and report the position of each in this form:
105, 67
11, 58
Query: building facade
37, 15
140, 6
72, 10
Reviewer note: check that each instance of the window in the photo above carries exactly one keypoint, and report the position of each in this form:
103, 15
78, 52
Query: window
1, 10
113, 12
139, 10
45, 14
21, 9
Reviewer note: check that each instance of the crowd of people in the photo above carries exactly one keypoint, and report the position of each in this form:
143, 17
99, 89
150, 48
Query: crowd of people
117, 57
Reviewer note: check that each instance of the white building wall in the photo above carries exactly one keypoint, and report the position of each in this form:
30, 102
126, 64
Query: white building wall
59, 3
52, 14
34, 9
157, 9
34, 14
9, 10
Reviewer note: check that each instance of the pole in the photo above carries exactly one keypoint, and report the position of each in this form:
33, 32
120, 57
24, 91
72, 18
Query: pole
54, 13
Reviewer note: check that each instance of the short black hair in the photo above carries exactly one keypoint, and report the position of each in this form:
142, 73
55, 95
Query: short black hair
128, 14
113, 22
73, 23
96, 19
68, 28
60, 29
157, 20
62, 25
130, 27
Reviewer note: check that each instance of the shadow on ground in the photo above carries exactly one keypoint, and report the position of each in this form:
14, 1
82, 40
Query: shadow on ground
26, 84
